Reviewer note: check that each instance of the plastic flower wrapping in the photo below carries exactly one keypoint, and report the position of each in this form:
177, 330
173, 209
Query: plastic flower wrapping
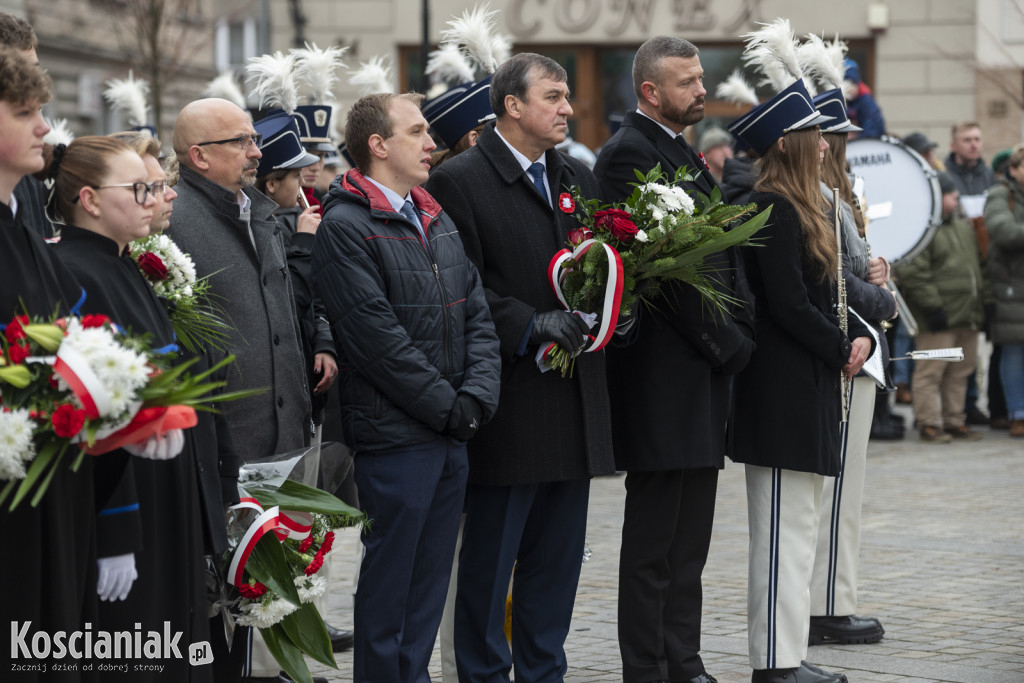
280, 533
197, 322
78, 386
623, 253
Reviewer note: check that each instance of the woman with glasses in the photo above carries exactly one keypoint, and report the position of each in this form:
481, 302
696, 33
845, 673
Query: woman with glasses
786, 423
49, 570
149, 519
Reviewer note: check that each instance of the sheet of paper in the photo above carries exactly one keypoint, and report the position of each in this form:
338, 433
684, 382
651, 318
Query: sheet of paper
973, 205
880, 210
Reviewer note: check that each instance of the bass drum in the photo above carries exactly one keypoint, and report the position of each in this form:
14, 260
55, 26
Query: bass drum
904, 203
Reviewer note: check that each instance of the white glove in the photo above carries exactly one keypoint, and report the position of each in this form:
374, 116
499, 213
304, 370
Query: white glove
159, 446
117, 574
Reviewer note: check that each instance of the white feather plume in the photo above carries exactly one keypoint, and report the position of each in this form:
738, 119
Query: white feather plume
824, 60
448, 65
226, 88
273, 79
772, 51
736, 89
59, 133
129, 96
476, 35
318, 69
373, 76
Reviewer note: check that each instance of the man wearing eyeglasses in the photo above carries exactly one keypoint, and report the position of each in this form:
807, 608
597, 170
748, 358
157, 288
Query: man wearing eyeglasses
228, 228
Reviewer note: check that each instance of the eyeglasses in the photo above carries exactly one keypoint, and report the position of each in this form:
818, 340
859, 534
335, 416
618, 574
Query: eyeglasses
243, 141
141, 190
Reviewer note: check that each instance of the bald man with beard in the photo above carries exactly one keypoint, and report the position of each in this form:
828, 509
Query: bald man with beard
228, 228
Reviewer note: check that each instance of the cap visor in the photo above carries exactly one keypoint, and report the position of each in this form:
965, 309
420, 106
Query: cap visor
302, 162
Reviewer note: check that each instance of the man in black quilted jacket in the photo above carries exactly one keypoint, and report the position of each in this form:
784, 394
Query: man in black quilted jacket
419, 373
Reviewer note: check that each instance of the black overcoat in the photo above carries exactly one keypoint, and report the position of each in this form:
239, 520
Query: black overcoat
547, 428
786, 411
170, 561
669, 389
49, 571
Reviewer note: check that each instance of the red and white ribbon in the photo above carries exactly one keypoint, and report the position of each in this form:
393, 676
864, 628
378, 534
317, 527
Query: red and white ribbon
613, 288
291, 524
74, 369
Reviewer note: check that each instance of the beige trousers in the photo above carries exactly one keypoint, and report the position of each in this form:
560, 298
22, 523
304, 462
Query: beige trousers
940, 387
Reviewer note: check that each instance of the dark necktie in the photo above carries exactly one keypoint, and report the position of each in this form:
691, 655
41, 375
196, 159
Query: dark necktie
410, 214
536, 171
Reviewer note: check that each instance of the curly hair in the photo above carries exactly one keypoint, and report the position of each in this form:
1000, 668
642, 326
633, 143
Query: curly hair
21, 81
17, 33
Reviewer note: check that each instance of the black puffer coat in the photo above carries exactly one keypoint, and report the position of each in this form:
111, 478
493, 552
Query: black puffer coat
412, 326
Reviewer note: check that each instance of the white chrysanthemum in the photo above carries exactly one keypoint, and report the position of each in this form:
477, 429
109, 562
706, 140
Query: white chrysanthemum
685, 201
181, 270
310, 587
641, 236
121, 370
657, 214
16, 448
261, 615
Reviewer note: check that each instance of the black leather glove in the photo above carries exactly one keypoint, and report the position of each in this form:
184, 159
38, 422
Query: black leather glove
937, 320
465, 418
565, 329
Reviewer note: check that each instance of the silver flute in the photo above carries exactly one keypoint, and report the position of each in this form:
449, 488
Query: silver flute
842, 308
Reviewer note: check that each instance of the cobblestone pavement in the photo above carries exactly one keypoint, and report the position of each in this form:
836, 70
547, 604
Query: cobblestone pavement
942, 566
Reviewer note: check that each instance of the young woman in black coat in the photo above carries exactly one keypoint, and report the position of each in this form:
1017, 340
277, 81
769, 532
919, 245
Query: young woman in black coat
786, 425
49, 568
149, 517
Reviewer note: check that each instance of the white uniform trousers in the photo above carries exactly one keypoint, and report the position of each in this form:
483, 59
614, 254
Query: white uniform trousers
834, 582
783, 507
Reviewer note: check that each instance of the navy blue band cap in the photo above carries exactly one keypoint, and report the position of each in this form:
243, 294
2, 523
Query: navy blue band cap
314, 122
790, 110
282, 149
833, 103
459, 110
343, 151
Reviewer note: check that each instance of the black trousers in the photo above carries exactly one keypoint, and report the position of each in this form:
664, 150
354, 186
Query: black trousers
666, 533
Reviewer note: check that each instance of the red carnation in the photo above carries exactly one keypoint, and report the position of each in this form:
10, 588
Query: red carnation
617, 222
94, 320
306, 542
67, 421
153, 266
252, 591
328, 543
17, 353
14, 329
316, 564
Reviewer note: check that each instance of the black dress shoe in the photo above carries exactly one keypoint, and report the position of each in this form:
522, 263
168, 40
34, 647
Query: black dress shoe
703, 678
851, 630
821, 672
976, 417
340, 640
798, 675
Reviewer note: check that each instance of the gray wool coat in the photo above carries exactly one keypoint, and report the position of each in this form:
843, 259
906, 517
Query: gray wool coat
253, 287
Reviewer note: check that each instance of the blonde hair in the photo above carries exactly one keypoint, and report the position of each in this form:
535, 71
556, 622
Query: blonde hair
794, 174
833, 174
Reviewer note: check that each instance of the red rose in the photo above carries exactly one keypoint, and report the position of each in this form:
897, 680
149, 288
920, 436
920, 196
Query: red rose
14, 330
152, 266
94, 320
67, 421
578, 236
17, 353
617, 222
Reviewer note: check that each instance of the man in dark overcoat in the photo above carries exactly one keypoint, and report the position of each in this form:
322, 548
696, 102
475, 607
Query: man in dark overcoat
530, 468
669, 389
